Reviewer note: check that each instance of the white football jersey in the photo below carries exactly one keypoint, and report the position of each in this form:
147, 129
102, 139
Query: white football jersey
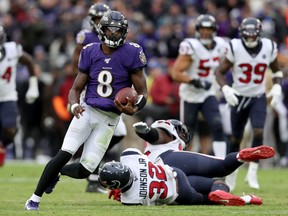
153, 151
205, 61
249, 71
153, 184
8, 70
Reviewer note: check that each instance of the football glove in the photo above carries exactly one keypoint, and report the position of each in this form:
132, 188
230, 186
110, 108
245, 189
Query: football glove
230, 95
33, 92
275, 93
141, 127
116, 194
201, 84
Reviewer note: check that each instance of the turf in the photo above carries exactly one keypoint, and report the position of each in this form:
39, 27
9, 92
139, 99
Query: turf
18, 180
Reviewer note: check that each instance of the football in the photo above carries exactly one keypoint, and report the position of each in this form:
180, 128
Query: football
127, 92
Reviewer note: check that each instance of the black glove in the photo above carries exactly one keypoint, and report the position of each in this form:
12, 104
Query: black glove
201, 84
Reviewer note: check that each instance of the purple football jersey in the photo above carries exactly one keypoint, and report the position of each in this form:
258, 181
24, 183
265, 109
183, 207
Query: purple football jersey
85, 37
109, 73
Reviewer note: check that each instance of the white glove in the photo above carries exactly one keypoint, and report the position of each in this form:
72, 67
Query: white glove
141, 127
230, 95
275, 93
33, 92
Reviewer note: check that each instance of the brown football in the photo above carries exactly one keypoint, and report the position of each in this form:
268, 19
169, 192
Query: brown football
127, 92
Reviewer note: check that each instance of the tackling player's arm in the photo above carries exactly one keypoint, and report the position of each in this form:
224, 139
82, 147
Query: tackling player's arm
152, 135
74, 94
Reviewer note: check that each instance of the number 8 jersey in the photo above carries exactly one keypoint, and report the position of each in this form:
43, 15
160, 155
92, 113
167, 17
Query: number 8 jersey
153, 184
249, 69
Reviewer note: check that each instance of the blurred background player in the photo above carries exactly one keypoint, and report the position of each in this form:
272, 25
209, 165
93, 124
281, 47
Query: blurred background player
249, 57
194, 69
10, 54
84, 37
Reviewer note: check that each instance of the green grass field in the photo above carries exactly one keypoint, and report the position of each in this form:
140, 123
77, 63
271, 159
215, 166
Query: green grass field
18, 180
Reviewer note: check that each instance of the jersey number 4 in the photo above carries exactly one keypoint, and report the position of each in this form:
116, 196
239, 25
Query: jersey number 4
7, 74
157, 187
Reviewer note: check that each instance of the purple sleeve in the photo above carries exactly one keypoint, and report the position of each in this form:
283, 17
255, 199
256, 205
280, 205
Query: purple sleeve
84, 60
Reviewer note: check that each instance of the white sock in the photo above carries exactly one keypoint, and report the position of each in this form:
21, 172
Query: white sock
35, 198
238, 158
253, 167
219, 148
93, 177
247, 199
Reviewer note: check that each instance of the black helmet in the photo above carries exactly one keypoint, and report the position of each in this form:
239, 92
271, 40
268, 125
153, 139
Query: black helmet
250, 27
96, 11
205, 21
115, 175
113, 21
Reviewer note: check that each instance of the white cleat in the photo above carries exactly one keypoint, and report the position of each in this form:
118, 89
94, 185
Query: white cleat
230, 180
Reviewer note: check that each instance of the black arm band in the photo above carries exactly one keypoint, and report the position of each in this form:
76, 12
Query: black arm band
141, 102
151, 137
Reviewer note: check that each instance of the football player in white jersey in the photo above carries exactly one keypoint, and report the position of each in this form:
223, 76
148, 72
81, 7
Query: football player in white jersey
95, 12
136, 180
165, 139
194, 69
10, 54
249, 57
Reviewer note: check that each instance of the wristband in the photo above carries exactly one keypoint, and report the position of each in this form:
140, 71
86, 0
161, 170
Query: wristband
141, 102
74, 106
278, 74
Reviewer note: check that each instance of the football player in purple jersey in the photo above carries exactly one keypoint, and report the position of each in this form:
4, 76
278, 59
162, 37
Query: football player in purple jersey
84, 37
104, 68
249, 57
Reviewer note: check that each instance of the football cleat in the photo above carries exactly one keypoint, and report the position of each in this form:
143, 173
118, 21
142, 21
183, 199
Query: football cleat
225, 198
255, 200
51, 187
256, 153
30, 205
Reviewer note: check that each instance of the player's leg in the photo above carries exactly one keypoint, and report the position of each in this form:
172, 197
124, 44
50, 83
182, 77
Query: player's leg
187, 194
78, 131
192, 163
119, 133
257, 117
239, 118
211, 113
8, 122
